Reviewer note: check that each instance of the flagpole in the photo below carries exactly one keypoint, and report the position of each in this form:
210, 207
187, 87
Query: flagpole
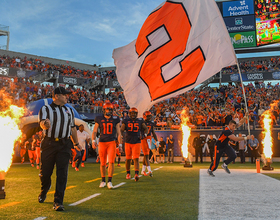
244, 94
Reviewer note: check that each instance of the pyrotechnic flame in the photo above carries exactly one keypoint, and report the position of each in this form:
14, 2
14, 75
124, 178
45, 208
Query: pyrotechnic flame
10, 132
267, 126
186, 132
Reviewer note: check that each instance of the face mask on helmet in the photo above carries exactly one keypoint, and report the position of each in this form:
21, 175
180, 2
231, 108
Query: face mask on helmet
133, 115
148, 118
108, 111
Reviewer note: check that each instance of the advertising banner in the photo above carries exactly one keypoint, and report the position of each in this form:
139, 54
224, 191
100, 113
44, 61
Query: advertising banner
240, 23
243, 39
251, 76
4, 71
237, 8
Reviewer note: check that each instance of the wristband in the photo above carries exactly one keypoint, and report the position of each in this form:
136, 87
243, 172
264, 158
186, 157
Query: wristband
94, 141
76, 144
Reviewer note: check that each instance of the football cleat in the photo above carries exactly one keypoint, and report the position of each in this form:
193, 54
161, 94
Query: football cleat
110, 185
76, 168
150, 174
210, 173
136, 177
102, 184
42, 198
144, 173
38, 167
128, 177
118, 165
82, 165
58, 207
73, 164
226, 169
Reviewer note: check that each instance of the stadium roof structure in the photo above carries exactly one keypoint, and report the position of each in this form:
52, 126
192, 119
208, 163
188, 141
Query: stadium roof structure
4, 31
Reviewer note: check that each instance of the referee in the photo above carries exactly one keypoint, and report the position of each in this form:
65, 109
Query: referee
58, 124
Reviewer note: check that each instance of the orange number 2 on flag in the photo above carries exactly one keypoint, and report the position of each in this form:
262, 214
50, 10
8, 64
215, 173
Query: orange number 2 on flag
173, 18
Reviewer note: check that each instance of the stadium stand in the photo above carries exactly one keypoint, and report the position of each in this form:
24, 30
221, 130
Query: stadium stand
208, 107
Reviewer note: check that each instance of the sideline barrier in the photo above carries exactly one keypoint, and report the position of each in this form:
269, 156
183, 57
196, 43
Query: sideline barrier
177, 135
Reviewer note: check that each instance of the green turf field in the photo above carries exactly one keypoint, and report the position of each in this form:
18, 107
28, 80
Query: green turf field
173, 193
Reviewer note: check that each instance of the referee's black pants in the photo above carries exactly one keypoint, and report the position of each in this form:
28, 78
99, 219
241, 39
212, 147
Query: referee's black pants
55, 153
219, 152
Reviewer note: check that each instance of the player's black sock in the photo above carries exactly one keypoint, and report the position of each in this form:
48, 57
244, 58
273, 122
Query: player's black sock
128, 172
109, 179
103, 179
136, 172
119, 160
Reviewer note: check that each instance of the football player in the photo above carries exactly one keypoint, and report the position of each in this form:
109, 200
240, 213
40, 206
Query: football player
133, 127
109, 126
146, 143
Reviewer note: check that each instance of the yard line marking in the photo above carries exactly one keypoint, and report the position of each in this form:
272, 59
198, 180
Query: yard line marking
40, 218
85, 199
120, 184
157, 168
9, 204
68, 187
160, 167
115, 174
89, 181
123, 171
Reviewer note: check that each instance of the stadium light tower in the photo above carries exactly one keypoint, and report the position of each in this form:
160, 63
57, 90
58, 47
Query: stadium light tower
4, 31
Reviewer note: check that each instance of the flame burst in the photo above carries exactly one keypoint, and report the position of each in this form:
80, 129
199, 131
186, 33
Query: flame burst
267, 126
10, 132
267, 140
186, 131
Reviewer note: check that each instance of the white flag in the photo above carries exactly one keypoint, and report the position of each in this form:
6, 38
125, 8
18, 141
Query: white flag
181, 44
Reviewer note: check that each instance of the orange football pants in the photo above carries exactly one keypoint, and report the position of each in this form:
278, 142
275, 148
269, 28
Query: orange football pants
145, 146
132, 150
107, 149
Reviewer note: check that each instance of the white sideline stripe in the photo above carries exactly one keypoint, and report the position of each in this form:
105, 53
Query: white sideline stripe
85, 199
40, 218
120, 184
156, 169
243, 194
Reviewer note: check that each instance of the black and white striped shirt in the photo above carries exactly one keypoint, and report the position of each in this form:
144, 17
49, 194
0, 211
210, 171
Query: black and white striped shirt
62, 120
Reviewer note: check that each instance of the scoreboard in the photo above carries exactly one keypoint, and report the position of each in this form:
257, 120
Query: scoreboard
252, 23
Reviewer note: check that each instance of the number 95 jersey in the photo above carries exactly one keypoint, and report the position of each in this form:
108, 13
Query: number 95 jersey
107, 127
133, 130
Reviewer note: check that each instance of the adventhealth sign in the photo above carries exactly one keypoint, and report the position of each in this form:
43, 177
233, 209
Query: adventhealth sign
237, 8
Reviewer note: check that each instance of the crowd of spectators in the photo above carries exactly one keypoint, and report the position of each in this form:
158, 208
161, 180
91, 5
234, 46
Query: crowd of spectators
210, 107
251, 66
64, 70
268, 64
